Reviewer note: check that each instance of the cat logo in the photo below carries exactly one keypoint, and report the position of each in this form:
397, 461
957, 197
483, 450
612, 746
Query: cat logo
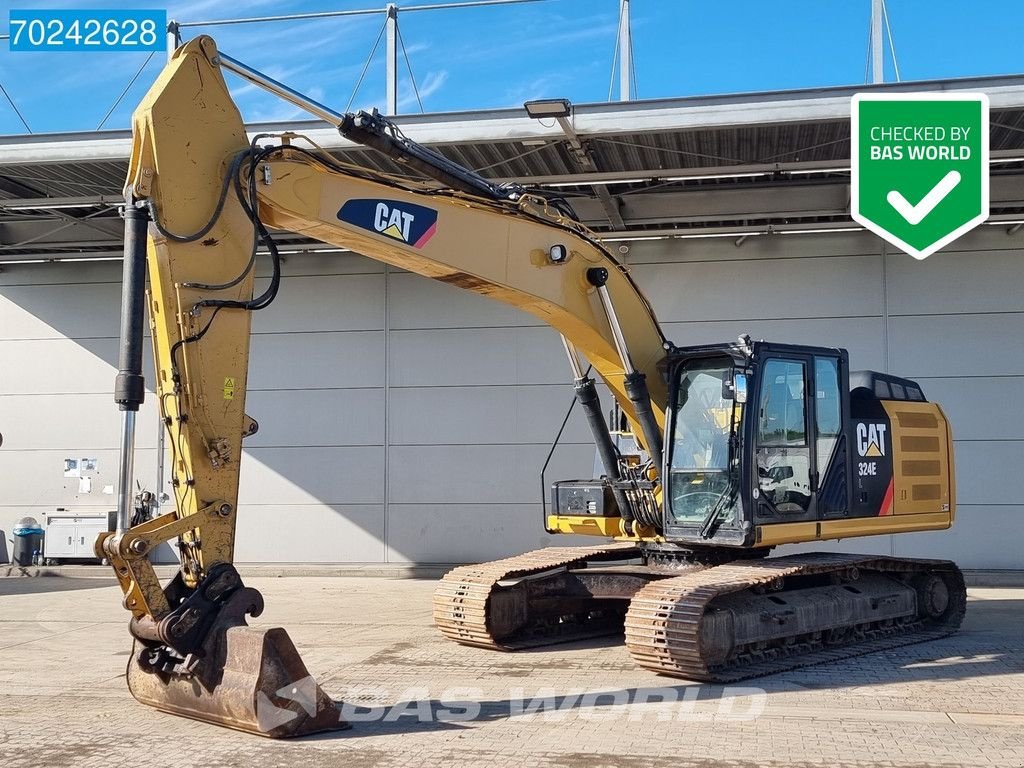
871, 439
394, 223
405, 222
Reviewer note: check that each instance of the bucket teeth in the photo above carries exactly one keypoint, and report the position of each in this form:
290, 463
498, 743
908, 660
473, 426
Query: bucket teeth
245, 678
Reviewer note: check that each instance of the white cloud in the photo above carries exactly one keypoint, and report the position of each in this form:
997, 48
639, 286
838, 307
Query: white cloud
432, 83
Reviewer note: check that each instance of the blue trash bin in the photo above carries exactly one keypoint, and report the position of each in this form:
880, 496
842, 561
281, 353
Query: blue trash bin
28, 540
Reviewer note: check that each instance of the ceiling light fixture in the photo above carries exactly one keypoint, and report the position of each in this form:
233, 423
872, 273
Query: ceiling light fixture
594, 182
43, 206
540, 109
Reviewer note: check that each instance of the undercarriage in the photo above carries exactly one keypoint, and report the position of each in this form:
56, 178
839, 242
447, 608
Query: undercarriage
703, 616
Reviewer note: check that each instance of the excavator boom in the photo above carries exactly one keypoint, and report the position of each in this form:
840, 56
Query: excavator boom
200, 200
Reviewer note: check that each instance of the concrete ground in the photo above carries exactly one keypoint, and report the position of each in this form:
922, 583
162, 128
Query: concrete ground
63, 701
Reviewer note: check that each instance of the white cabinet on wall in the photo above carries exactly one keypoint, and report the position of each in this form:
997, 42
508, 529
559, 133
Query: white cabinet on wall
71, 535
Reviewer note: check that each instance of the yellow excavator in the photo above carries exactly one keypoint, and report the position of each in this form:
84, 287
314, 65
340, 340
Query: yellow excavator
719, 452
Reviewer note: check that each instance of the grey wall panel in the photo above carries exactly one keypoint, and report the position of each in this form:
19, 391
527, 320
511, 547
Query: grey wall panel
60, 311
958, 345
461, 356
478, 389
955, 282
322, 417
479, 474
468, 415
69, 273
74, 422
980, 407
58, 366
758, 247
312, 476
352, 302
848, 286
862, 337
317, 360
36, 478
310, 533
419, 302
985, 470
438, 533
345, 263
63, 366
981, 537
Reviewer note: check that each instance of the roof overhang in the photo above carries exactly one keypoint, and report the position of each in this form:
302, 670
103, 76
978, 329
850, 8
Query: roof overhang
692, 166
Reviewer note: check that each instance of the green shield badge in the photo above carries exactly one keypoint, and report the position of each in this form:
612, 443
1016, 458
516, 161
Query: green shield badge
919, 167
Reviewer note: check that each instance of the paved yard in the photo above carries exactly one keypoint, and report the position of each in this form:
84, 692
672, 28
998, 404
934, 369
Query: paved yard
63, 701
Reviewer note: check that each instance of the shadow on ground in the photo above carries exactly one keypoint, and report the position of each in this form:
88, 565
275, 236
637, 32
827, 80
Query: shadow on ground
17, 584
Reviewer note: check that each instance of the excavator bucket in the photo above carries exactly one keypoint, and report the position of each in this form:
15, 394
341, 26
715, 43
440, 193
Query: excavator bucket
245, 678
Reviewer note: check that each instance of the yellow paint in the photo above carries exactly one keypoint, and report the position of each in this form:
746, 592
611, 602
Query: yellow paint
585, 525
794, 533
914, 491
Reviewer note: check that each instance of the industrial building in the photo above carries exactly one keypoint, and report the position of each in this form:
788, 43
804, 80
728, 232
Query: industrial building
405, 421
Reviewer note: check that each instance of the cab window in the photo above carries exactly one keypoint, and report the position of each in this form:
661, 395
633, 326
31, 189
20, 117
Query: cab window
783, 454
826, 399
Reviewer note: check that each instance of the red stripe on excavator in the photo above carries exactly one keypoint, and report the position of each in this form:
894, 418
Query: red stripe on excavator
426, 236
886, 508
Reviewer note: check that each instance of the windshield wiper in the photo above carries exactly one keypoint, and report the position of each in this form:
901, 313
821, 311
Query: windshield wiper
710, 523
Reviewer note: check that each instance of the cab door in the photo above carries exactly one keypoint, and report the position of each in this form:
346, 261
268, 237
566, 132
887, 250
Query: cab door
800, 453
831, 407
785, 464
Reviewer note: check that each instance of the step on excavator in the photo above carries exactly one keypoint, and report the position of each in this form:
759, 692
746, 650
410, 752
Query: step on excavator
719, 452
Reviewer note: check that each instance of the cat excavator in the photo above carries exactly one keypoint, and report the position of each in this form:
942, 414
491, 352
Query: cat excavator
719, 453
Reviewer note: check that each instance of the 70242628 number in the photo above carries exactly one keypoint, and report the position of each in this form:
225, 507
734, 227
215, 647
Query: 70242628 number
75, 31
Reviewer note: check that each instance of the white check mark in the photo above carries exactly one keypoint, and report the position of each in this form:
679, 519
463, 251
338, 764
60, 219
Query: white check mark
916, 213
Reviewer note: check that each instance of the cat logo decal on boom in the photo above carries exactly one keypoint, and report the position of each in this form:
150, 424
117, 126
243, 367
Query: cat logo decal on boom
406, 222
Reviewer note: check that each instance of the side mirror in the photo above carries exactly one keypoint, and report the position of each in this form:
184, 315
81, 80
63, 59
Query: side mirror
739, 387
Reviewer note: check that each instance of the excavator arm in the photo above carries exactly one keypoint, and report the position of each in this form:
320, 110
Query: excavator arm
200, 201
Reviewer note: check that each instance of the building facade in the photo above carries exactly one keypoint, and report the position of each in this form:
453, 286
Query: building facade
405, 421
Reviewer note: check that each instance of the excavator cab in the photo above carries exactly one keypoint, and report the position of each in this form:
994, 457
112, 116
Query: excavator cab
767, 443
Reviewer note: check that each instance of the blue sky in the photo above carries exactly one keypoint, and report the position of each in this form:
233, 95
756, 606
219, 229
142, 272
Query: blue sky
476, 58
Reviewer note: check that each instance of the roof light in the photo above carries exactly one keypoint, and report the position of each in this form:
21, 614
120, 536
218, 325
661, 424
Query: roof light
703, 177
818, 231
539, 109
42, 206
594, 182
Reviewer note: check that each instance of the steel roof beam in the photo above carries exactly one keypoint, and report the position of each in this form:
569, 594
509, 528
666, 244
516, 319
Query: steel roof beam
17, 188
493, 126
583, 153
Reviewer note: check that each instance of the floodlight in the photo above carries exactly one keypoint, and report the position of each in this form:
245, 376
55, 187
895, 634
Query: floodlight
542, 108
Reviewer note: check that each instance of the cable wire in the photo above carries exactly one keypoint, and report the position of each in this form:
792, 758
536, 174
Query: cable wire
892, 45
366, 66
408, 66
551, 452
615, 56
632, 72
14, 107
867, 53
126, 89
